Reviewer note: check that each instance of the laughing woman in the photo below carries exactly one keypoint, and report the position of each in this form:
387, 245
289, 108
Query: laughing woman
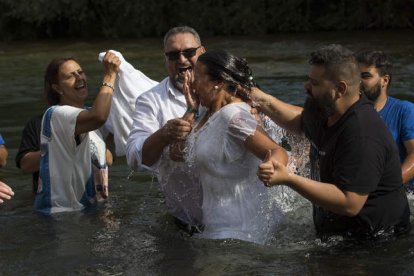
73, 154
224, 150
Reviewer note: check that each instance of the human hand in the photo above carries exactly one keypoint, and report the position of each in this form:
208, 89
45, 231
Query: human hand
189, 92
272, 172
176, 130
5, 192
111, 63
177, 151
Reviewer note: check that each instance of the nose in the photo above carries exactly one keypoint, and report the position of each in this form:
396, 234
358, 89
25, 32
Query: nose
182, 58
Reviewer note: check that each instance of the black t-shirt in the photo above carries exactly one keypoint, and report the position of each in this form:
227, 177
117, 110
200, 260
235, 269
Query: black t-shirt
358, 154
30, 142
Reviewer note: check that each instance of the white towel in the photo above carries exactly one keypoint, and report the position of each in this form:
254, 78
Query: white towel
130, 84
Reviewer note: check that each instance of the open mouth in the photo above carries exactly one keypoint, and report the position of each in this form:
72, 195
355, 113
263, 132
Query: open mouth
183, 70
80, 86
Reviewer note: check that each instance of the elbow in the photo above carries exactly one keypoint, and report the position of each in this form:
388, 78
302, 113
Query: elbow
3, 163
100, 120
351, 211
25, 169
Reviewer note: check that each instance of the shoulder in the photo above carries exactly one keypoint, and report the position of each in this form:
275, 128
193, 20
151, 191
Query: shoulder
239, 115
397, 103
239, 110
157, 91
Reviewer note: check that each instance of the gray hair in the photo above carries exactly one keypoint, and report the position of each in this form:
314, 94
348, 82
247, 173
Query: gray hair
181, 30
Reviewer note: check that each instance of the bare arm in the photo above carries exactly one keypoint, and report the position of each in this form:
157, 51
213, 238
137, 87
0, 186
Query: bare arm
95, 117
5, 192
408, 164
326, 195
3, 156
260, 144
285, 115
30, 162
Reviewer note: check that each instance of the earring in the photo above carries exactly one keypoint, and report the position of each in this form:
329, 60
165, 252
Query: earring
215, 87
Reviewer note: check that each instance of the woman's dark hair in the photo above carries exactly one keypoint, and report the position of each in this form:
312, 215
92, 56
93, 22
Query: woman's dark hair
233, 71
52, 77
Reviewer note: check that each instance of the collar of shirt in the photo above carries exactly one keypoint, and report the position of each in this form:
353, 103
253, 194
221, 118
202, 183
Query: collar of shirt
177, 94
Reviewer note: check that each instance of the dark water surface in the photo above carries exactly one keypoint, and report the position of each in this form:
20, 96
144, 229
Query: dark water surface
132, 234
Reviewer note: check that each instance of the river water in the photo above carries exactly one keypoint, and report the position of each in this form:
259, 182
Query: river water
132, 234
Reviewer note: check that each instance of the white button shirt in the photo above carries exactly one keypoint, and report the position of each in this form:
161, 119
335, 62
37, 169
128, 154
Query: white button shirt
153, 109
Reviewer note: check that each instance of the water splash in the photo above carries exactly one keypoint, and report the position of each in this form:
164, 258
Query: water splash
297, 148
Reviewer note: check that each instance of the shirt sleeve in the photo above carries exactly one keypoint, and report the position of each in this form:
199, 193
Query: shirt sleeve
145, 123
241, 125
1, 140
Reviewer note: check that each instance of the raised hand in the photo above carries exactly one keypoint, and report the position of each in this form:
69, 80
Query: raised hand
189, 92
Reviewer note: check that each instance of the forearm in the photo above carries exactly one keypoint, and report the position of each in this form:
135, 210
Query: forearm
407, 168
153, 148
99, 112
30, 162
327, 195
407, 165
285, 115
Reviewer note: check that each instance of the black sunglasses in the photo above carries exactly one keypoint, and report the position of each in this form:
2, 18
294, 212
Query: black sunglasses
188, 53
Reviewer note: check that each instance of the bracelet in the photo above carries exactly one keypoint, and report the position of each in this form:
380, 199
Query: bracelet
110, 85
192, 110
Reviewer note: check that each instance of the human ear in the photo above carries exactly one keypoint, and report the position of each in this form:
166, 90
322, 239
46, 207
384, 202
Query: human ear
341, 88
56, 88
385, 80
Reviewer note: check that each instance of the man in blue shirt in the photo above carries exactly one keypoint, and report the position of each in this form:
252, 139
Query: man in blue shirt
376, 75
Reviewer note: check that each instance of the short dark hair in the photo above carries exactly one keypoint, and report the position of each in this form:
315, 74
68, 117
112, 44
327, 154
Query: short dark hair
52, 77
181, 30
379, 59
340, 63
226, 67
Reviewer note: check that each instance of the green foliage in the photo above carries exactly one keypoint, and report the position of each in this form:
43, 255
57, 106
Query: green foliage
34, 19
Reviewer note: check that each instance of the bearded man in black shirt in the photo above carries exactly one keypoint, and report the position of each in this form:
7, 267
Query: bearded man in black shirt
356, 186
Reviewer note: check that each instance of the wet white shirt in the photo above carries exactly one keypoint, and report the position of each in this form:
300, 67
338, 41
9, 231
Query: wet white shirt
235, 202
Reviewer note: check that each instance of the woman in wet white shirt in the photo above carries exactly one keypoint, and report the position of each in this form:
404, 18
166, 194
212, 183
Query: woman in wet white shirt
224, 150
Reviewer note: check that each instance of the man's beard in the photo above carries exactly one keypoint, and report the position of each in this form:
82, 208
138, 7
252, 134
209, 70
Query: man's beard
178, 82
373, 93
319, 108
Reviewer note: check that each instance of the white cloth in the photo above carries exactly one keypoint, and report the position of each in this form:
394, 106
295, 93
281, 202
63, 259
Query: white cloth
129, 85
66, 181
152, 111
235, 202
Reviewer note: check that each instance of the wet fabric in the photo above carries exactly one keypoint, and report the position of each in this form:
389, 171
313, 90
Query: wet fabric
235, 202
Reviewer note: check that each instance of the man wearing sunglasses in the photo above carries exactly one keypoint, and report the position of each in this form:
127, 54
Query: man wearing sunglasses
157, 124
